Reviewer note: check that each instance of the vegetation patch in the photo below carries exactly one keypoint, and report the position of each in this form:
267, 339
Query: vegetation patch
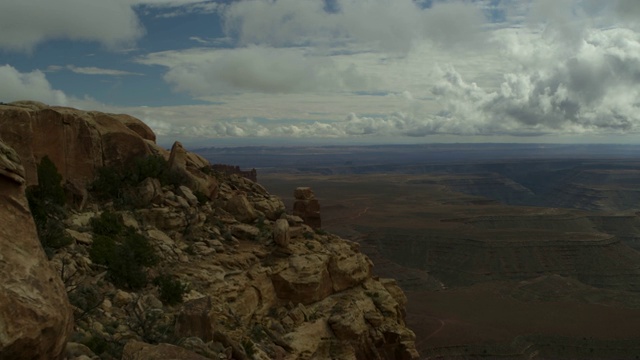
171, 290
118, 183
122, 250
47, 201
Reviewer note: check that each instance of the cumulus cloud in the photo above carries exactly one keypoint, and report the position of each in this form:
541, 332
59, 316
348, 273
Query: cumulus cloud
28, 86
203, 72
593, 90
26, 23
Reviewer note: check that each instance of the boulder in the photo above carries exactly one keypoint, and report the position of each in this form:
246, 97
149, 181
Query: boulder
36, 318
187, 194
241, 209
178, 157
305, 280
347, 267
150, 191
271, 206
189, 166
281, 234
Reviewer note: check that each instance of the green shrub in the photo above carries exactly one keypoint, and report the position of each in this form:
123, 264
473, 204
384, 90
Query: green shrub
248, 347
86, 299
108, 185
140, 247
118, 183
202, 198
102, 249
46, 202
122, 250
124, 271
107, 224
171, 291
148, 167
106, 349
50, 182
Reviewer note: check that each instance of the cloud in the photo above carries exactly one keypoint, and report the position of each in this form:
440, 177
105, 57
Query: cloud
92, 70
169, 9
592, 90
386, 25
26, 23
205, 72
28, 86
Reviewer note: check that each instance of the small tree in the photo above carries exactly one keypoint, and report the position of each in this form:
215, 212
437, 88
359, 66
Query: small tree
46, 201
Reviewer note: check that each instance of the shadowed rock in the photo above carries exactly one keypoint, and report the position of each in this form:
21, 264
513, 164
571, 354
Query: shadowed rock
307, 207
36, 319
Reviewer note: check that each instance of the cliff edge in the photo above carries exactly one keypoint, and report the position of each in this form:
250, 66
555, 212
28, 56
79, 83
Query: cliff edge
169, 256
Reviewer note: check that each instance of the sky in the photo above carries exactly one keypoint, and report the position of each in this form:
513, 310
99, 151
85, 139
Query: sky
280, 72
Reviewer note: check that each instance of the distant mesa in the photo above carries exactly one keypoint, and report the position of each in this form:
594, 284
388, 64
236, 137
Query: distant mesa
235, 170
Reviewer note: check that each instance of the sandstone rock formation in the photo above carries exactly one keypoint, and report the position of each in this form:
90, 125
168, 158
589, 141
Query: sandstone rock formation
281, 234
307, 207
78, 142
258, 283
190, 165
35, 316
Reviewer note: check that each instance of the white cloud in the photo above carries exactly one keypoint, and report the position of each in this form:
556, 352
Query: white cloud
28, 86
26, 23
594, 89
92, 70
169, 9
205, 72
387, 25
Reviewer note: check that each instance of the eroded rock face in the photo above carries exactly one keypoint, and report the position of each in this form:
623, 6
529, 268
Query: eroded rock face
36, 319
190, 165
307, 207
78, 142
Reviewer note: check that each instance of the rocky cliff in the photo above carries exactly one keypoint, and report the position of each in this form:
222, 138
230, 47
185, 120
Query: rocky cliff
234, 276
35, 315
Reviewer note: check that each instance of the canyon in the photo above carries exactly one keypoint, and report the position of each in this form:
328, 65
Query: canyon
517, 251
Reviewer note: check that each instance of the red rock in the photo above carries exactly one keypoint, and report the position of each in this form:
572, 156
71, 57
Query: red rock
78, 142
36, 318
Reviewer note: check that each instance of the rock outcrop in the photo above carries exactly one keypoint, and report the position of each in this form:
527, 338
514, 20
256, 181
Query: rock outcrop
307, 207
78, 142
35, 316
255, 282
